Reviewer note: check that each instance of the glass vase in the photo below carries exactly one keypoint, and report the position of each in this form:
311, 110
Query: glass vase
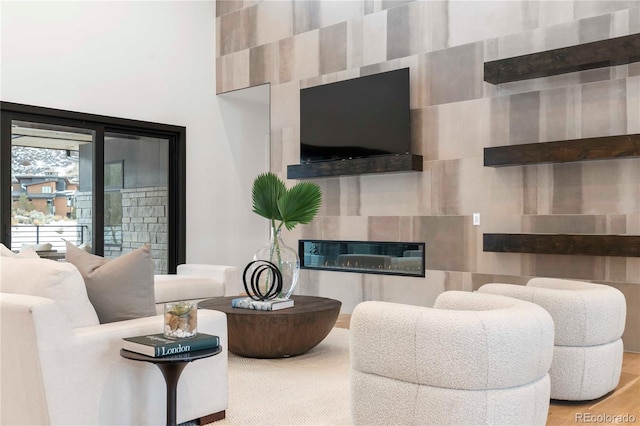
180, 320
287, 261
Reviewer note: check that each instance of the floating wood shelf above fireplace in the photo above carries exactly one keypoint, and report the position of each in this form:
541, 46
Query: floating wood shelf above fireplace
598, 54
356, 166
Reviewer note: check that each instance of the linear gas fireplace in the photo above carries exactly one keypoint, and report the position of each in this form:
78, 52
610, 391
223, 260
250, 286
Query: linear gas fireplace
366, 257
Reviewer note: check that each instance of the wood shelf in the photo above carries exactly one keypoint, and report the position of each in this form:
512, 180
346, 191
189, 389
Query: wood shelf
606, 147
598, 54
356, 166
576, 244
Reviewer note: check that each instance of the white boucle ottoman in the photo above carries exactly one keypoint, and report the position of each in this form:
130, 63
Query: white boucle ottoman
472, 359
589, 321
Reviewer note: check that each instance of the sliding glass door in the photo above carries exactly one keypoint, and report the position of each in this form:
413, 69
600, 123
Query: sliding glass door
46, 186
107, 184
136, 195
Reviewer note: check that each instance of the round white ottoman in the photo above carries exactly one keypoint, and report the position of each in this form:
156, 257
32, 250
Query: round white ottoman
589, 321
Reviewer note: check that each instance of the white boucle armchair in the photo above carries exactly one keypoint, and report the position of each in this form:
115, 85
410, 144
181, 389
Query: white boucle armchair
589, 322
61, 367
472, 359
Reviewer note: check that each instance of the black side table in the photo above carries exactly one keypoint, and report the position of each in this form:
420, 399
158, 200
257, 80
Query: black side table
171, 367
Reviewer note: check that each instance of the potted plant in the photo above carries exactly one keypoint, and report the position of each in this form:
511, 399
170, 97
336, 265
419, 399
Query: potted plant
284, 207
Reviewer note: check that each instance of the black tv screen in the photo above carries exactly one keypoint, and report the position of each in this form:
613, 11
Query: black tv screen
361, 117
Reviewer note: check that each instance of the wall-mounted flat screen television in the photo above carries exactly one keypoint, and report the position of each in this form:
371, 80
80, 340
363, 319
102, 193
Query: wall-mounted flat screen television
355, 118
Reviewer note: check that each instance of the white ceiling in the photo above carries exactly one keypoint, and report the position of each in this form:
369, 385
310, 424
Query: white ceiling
50, 139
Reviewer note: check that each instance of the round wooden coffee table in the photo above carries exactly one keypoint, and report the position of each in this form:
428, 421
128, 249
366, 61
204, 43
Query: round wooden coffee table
277, 334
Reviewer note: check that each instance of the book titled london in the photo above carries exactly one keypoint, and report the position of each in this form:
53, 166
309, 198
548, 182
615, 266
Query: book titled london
156, 345
261, 305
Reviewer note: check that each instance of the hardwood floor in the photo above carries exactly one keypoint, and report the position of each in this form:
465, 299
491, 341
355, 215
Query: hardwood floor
621, 402
343, 321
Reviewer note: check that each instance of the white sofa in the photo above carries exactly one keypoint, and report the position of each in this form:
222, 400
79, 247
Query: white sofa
589, 321
195, 282
60, 366
472, 359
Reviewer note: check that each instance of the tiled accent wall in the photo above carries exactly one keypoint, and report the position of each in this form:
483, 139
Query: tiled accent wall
455, 114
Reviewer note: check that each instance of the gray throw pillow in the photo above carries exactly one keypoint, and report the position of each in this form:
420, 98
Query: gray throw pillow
119, 289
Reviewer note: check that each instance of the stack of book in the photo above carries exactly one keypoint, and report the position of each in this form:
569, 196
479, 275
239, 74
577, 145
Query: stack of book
156, 345
261, 305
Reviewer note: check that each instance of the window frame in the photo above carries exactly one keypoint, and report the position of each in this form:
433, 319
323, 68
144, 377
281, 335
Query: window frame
100, 124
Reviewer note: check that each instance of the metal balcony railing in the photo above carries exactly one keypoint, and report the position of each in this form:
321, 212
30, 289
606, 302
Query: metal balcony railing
56, 235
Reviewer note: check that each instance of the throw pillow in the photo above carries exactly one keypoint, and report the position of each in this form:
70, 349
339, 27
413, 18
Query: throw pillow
29, 253
119, 289
54, 280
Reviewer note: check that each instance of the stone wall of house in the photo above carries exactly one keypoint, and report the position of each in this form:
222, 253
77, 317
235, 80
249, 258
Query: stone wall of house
84, 215
144, 221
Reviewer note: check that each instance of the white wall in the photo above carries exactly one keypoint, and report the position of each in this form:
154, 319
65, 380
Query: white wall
245, 121
152, 61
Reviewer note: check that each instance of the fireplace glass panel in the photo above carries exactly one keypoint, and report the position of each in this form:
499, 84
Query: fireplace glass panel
370, 257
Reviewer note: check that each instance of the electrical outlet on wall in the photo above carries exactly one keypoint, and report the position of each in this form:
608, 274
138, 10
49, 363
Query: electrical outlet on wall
476, 219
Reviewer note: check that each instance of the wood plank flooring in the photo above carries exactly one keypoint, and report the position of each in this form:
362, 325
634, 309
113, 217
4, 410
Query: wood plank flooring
624, 400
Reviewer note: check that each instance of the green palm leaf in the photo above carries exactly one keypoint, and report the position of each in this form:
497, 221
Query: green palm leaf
273, 201
267, 190
300, 204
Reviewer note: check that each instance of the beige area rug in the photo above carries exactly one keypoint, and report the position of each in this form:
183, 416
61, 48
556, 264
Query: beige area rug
310, 389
